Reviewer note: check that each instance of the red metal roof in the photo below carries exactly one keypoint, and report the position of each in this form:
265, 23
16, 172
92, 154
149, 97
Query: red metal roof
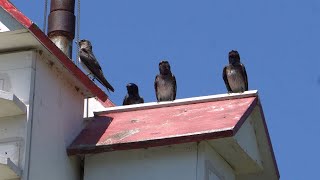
107, 103
52, 48
163, 125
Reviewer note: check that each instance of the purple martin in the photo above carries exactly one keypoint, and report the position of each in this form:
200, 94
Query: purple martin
89, 62
165, 83
235, 75
133, 96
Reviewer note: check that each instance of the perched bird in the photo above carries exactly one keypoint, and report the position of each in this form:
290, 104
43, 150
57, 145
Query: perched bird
89, 62
133, 96
235, 75
165, 83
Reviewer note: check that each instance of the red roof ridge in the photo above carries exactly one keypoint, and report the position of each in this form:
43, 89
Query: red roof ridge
193, 100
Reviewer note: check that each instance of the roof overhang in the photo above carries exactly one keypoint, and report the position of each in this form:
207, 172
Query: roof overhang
233, 124
226, 121
165, 123
20, 33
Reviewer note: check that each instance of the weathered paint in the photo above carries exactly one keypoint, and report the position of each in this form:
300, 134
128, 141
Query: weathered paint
184, 161
19, 76
52, 48
162, 126
9, 23
57, 118
67, 63
70, 167
233, 127
15, 13
15, 74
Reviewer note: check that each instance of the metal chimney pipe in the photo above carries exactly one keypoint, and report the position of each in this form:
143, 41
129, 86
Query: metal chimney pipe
61, 24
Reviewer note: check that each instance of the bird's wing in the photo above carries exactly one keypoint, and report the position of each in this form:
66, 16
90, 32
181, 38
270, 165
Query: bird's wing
141, 100
89, 60
103, 81
156, 86
245, 76
125, 100
225, 78
174, 87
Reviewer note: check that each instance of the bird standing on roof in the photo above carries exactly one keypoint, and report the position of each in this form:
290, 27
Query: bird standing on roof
165, 83
133, 96
89, 62
235, 75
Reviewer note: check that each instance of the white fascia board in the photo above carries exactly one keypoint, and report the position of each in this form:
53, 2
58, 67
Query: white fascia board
193, 100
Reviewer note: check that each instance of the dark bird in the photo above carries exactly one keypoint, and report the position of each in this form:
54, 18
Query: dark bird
235, 75
133, 96
89, 62
165, 83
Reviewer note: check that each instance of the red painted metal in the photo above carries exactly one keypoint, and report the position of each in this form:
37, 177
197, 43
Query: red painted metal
45, 41
11, 9
163, 126
107, 103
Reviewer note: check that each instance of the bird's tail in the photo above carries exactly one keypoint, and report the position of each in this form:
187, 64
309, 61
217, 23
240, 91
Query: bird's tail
105, 83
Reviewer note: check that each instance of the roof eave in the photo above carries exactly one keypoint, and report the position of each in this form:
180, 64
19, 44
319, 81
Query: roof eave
82, 150
214, 134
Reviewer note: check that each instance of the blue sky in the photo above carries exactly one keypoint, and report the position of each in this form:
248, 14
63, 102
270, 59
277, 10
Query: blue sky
278, 41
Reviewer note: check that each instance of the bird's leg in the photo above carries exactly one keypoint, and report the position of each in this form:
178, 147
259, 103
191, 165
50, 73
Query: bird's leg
242, 91
91, 76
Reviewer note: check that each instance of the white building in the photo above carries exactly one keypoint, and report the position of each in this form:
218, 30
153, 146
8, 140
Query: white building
219, 137
43, 134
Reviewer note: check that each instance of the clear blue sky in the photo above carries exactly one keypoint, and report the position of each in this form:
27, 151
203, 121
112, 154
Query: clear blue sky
278, 41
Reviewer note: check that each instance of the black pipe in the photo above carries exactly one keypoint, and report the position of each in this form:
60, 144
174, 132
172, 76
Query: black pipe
61, 24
